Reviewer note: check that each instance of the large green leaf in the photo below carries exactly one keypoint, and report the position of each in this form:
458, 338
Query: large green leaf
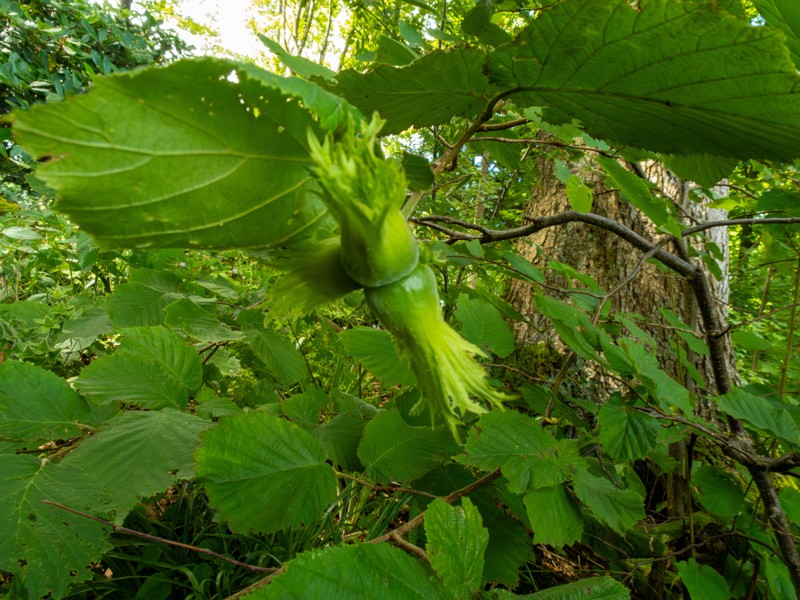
47, 548
340, 437
529, 456
333, 112
703, 169
590, 588
392, 450
198, 318
790, 500
265, 474
376, 350
509, 545
168, 349
761, 413
140, 453
38, 406
141, 301
719, 493
282, 359
153, 368
198, 154
778, 579
702, 581
484, 326
784, 15
626, 434
619, 508
669, 76
131, 380
298, 64
361, 572
554, 515
572, 325
429, 91
457, 541
664, 389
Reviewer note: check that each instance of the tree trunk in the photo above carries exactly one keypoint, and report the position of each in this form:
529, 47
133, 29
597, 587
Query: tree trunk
647, 290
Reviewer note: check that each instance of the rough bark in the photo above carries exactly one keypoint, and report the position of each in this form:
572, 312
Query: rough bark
609, 260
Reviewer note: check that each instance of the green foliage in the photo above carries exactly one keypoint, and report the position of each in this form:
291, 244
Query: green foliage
51, 50
359, 571
37, 406
148, 388
42, 546
246, 140
260, 456
456, 545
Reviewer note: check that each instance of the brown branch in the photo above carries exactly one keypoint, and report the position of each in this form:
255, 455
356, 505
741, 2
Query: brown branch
533, 141
392, 536
538, 223
255, 585
409, 547
154, 538
504, 125
392, 489
732, 222
450, 498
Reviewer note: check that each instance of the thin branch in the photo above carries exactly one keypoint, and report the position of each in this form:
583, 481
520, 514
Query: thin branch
410, 548
503, 126
153, 538
731, 222
450, 498
538, 223
533, 141
255, 585
392, 536
392, 489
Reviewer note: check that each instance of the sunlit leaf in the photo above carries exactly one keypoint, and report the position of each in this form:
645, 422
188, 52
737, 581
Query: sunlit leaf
484, 326
153, 368
430, 90
529, 456
298, 64
672, 77
375, 349
783, 15
184, 156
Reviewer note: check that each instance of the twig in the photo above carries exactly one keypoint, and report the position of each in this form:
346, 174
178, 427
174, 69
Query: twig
255, 585
409, 547
154, 538
386, 488
392, 536
731, 222
450, 498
